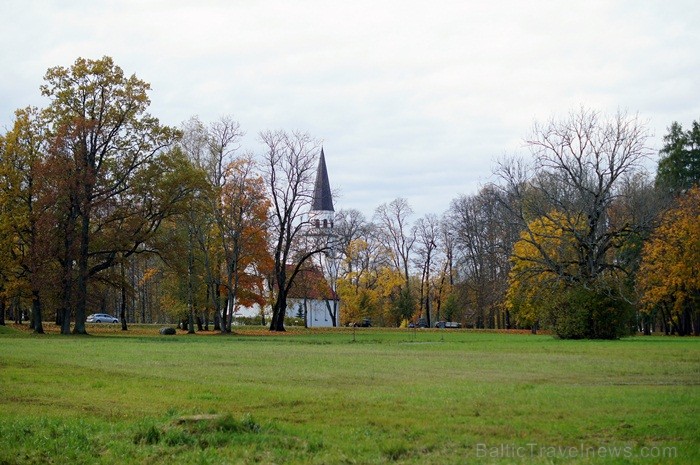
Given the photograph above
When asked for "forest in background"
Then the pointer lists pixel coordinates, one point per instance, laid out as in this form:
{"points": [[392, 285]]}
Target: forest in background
{"points": [[104, 209]]}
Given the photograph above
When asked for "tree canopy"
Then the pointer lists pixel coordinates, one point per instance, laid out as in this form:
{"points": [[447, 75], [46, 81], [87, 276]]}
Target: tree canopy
{"points": [[679, 165], [669, 276]]}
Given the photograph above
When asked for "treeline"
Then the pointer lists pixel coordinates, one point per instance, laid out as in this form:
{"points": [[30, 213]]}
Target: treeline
{"points": [[104, 209], [576, 237]]}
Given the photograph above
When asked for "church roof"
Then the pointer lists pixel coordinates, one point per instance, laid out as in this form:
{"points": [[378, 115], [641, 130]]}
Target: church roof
{"points": [[309, 283], [323, 199]]}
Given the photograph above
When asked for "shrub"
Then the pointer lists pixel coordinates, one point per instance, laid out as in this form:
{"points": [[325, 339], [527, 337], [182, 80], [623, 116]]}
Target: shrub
{"points": [[585, 313]]}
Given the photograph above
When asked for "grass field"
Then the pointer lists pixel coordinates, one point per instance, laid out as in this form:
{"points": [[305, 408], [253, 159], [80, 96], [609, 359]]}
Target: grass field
{"points": [[389, 396]]}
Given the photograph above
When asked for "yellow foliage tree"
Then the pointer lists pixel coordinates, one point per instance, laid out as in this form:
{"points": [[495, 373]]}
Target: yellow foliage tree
{"points": [[543, 259], [669, 276]]}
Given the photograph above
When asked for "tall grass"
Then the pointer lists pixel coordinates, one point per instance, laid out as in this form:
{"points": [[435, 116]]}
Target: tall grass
{"points": [[331, 397]]}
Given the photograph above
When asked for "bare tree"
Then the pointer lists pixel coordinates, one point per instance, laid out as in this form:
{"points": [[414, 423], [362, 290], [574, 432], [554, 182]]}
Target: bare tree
{"points": [[483, 240], [579, 172], [289, 169], [446, 247], [426, 231], [395, 233], [570, 203]]}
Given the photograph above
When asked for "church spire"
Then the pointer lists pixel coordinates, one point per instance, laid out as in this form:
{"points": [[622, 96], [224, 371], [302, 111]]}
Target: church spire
{"points": [[323, 199]]}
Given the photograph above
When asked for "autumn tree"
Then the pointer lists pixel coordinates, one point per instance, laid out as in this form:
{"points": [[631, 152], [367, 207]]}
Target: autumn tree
{"points": [[545, 252], [579, 165], [5, 235], [98, 123], [360, 262], [669, 277], [25, 221], [243, 232]]}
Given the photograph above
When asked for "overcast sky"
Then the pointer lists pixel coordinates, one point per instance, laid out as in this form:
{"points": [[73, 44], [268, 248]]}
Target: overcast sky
{"points": [[412, 99]]}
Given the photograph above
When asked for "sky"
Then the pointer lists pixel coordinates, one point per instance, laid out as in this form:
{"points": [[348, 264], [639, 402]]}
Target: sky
{"points": [[412, 99]]}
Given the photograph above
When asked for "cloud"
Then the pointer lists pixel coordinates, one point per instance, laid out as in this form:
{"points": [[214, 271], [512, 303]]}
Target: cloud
{"points": [[412, 99]]}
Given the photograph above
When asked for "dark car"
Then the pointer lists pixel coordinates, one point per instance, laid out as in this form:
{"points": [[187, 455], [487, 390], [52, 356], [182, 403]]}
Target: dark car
{"points": [[448, 324]]}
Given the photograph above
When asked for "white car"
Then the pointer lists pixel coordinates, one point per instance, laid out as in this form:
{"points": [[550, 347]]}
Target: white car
{"points": [[101, 318]]}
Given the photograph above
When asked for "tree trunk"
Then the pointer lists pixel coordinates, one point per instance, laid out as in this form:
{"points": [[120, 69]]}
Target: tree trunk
{"points": [[278, 312], [280, 308], [65, 298], [217, 321], [36, 313], [81, 288], [190, 323], [2, 311], [231, 301], [333, 312], [122, 305], [190, 286]]}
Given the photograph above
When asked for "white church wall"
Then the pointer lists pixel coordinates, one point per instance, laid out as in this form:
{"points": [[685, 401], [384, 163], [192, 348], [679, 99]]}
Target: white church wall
{"points": [[317, 312]]}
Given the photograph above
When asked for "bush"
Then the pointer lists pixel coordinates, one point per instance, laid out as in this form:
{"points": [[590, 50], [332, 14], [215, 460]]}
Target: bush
{"points": [[584, 313]]}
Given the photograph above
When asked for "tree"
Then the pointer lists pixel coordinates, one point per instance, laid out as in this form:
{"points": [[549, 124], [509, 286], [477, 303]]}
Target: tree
{"points": [[243, 233], [99, 125], [669, 276], [544, 253], [426, 232], [289, 171], [679, 166], [210, 148], [397, 239], [483, 233], [24, 206], [446, 302], [395, 234], [575, 182]]}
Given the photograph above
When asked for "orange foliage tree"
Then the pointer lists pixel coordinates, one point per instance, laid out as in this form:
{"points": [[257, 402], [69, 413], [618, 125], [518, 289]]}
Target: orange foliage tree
{"points": [[242, 226], [669, 276]]}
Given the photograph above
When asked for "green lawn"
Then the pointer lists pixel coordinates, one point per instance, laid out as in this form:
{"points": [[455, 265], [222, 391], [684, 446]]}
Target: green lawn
{"points": [[400, 396]]}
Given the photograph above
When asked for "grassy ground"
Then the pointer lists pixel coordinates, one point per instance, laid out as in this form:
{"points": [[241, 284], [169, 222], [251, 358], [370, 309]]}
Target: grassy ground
{"points": [[400, 396]]}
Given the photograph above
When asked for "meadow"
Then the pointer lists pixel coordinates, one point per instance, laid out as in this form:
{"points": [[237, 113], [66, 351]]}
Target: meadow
{"points": [[348, 397]]}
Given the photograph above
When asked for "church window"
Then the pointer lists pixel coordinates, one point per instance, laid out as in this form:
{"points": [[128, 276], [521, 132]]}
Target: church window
{"points": [[325, 223]]}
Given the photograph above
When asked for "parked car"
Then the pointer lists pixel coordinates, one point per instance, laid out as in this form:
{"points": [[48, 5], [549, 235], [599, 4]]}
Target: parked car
{"points": [[366, 323], [101, 318], [448, 324]]}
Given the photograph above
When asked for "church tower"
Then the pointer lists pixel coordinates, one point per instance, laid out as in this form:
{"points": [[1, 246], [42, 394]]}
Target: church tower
{"points": [[321, 231], [322, 212]]}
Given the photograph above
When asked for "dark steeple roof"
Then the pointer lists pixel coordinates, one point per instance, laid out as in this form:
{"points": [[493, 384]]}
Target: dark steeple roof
{"points": [[323, 200]]}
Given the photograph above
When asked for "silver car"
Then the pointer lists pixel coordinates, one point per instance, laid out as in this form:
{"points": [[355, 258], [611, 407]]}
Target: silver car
{"points": [[101, 318]]}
